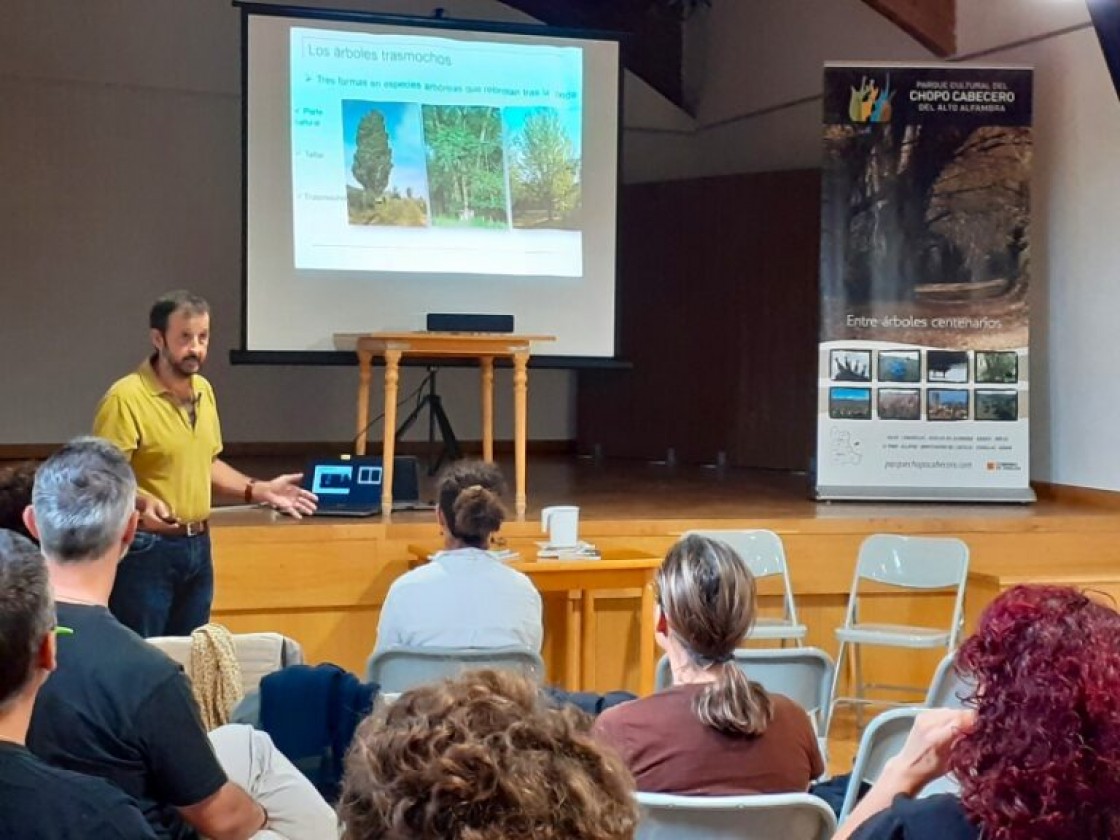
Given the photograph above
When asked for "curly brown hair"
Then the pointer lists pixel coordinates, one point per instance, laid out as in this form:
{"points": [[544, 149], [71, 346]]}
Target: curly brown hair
{"points": [[483, 757]]}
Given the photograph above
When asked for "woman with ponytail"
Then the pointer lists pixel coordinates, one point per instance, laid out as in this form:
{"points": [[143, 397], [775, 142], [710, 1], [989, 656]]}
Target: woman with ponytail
{"points": [[464, 597], [714, 732]]}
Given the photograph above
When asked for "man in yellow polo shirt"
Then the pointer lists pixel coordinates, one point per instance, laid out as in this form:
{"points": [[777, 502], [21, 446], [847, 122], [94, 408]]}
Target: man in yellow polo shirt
{"points": [[163, 417]]}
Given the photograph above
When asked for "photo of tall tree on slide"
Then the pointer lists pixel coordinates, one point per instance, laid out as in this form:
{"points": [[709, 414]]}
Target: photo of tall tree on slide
{"points": [[466, 168], [925, 221], [386, 181], [544, 167]]}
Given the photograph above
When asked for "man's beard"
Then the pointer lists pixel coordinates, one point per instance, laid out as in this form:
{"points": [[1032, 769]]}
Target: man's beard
{"points": [[179, 368]]}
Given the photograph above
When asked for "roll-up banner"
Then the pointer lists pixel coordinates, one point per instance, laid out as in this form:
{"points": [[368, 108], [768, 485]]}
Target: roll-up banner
{"points": [[923, 383]]}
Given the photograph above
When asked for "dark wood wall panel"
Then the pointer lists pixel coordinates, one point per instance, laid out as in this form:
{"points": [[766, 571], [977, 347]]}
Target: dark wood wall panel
{"points": [[718, 314]]}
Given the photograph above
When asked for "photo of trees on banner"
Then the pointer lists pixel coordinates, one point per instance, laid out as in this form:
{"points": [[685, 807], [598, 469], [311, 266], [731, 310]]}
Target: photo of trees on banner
{"points": [[925, 272]]}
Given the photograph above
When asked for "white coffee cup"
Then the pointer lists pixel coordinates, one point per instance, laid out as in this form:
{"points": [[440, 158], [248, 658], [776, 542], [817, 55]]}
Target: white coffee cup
{"points": [[562, 524]]}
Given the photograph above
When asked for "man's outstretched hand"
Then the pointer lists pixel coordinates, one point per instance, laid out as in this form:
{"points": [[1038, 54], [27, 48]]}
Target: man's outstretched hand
{"points": [[284, 494]]}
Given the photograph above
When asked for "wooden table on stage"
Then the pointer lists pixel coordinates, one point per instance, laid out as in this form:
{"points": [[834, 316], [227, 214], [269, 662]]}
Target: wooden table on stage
{"points": [[1097, 576], [619, 568], [482, 346]]}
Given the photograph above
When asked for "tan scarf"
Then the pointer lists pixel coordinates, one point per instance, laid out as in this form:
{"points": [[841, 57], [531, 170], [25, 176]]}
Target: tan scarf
{"points": [[215, 674]]}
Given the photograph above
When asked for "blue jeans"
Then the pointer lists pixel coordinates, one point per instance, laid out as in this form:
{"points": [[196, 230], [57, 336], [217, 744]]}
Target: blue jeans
{"points": [[164, 585]]}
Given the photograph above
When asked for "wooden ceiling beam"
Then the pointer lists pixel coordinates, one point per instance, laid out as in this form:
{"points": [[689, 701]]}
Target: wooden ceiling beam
{"points": [[932, 23], [653, 43]]}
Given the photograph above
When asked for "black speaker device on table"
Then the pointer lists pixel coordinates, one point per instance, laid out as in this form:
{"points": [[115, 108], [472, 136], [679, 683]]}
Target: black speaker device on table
{"points": [[469, 322]]}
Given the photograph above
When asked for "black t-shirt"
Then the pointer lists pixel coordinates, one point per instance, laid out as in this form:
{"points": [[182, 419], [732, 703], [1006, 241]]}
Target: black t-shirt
{"points": [[40, 802], [118, 708], [934, 818]]}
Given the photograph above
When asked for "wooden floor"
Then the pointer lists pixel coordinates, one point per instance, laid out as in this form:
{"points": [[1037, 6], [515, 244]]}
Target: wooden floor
{"points": [[620, 489]]}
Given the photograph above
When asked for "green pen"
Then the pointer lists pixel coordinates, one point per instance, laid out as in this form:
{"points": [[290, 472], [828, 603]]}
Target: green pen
{"points": [[59, 630]]}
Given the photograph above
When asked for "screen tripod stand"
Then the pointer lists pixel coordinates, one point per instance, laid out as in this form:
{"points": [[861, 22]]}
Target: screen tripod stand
{"points": [[436, 416]]}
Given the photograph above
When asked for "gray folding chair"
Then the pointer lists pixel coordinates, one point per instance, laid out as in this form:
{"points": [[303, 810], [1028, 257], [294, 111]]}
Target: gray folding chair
{"points": [[948, 689], [783, 816], [766, 557], [401, 668], [903, 563], [882, 740], [804, 675], [943, 784], [258, 654]]}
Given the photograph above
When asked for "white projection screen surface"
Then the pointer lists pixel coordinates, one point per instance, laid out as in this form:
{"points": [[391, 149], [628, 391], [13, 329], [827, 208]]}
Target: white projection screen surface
{"points": [[395, 169]]}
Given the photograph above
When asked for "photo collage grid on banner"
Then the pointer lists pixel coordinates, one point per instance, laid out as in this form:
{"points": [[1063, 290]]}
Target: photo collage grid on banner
{"points": [[925, 268]]}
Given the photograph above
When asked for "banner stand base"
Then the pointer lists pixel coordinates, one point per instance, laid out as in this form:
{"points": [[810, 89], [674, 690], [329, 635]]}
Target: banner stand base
{"points": [[1009, 495]]}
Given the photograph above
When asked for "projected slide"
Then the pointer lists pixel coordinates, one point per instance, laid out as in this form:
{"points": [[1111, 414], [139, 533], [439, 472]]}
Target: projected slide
{"points": [[425, 154]]}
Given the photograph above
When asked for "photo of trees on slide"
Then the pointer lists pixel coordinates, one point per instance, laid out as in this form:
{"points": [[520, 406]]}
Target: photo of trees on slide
{"points": [[387, 183], [466, 168], [544, 167], [417, 165]]}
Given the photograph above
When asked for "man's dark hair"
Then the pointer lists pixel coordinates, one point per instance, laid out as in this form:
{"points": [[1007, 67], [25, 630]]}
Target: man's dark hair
{"points": [[26, 612], [172, 302], [16, 481]]}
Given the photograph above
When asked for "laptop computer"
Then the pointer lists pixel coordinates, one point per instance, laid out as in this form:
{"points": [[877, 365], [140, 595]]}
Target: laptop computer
{"points": [[352, 486], [345, 486]]}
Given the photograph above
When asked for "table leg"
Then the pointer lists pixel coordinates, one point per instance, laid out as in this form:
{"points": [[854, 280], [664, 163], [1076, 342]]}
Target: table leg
{"points": [[392, 380], [588, 641], [572, 628], [520, 408], [487, 364], [646, 642], [362, 430]]}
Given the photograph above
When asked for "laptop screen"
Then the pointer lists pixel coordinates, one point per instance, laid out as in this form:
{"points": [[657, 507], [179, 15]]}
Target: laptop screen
{"points": [[353, 483]]}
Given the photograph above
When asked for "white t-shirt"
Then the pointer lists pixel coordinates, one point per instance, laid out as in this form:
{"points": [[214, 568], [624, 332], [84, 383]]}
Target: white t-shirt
{"points": [[461, 598]]}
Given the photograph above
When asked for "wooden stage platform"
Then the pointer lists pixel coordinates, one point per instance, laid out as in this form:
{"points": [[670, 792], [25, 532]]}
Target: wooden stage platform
{"points": [[322, 581]]}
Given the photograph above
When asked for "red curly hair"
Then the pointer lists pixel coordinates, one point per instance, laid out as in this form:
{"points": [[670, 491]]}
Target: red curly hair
{"points": [[1043, 759]]}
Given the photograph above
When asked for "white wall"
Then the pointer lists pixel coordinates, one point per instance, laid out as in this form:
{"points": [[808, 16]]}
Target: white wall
{"points": [[759, 67], [1076, 259], [759, 108], [120, 164], [984, 24], [119, 157]]}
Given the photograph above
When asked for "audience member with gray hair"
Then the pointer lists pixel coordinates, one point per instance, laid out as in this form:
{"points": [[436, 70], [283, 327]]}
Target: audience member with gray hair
{"points": [[118, 707], [83, 500], [40, 801]]}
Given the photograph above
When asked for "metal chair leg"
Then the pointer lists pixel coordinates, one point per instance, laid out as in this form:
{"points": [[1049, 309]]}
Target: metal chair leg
{"points": [[859, 689], [830, 710]]}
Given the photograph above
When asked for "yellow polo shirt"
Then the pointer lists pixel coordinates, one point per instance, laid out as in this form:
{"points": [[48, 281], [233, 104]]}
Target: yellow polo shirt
{"points": [[171, 459]]}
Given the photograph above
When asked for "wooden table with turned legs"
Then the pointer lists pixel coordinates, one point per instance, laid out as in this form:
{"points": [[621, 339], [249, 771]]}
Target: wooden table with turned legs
{"points": [[394, 346]]}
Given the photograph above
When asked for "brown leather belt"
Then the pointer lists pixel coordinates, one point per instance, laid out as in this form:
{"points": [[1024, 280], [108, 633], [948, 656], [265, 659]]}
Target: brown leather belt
{"points": [[180, 529]]}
